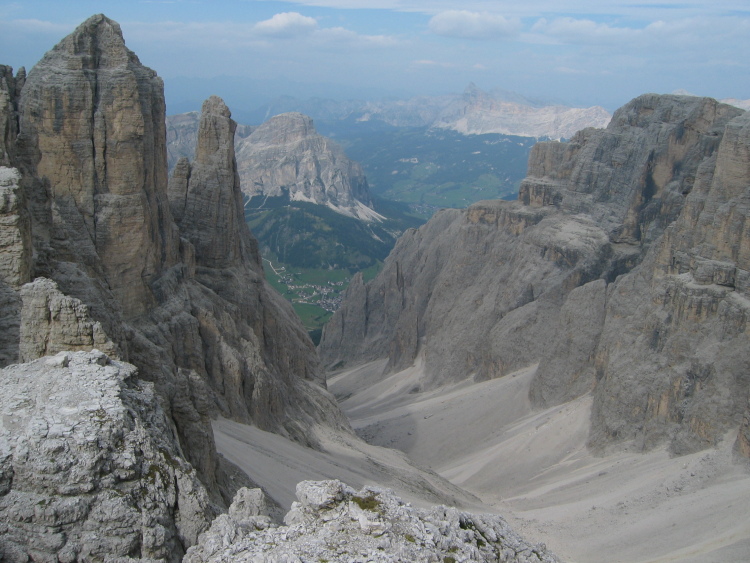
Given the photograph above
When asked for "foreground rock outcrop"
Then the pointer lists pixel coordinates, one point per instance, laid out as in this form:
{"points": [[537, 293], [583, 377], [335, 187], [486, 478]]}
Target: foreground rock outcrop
{"points": [[90, 466], [97, 252], [333, 522], [620, 270]]}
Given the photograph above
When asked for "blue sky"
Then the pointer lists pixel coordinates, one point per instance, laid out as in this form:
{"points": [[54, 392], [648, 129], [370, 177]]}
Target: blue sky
{"points": [[582, 52]]}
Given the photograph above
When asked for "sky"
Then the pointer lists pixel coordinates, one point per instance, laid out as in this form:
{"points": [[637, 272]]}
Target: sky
{"points": [[579, 52]]}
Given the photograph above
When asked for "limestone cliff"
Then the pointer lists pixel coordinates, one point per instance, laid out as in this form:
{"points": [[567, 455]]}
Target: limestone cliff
{"points": [[658, 195], [285, 156], [674, 355], [86, 215]]}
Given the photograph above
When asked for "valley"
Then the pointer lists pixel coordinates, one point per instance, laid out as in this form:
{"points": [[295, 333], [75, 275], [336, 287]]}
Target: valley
{"points": [[572, 365], [314, 293], [311, 252], [431, 169], [533, 466]]}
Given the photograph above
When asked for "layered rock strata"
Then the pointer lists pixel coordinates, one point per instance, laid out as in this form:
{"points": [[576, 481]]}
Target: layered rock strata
{"points": [[286, 157], [333, 522], [86, 216], [619, 270]]}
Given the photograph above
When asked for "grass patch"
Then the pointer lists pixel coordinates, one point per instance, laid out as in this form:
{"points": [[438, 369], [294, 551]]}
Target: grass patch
{"points": [[312, 316], [370, 502]]}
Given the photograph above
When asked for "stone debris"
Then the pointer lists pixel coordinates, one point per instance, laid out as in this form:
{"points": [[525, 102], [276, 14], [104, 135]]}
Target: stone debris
{"points": [[333, 522]]}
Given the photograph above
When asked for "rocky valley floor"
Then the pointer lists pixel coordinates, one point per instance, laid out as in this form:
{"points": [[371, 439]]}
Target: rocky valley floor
{"points": [[530, 466], [533, 467]]}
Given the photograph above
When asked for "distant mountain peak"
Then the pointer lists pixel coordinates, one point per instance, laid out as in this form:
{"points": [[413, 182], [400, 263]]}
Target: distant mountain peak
{"points": [[285, 156], [473, 112]]}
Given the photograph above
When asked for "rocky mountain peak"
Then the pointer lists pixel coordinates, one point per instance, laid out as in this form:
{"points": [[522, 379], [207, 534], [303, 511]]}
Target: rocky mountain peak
{"points": [[92, 129], [285, 128], [215, 105], [96, 43], [205, 196], [286, 157]]}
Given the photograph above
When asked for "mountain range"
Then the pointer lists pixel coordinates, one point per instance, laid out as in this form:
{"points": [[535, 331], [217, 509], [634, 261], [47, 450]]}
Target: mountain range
{"points": [[472, 112], [134, 311], [577, 358]]}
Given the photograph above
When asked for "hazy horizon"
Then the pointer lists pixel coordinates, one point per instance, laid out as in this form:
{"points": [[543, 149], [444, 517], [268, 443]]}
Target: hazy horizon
{"points": [[251, 51]]}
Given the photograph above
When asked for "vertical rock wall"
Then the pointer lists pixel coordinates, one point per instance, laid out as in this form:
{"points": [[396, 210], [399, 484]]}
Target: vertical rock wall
{"points": [[621, 269], [674, 357], [92, 126]]}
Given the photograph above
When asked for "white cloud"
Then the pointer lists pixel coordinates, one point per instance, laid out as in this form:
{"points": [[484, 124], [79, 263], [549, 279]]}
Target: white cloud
{"points": [[693, 34], [339, 35], [290, 28], [427, 62], [638, 9], [570, 30], [286, 24], [38, 26], [473, 25]]}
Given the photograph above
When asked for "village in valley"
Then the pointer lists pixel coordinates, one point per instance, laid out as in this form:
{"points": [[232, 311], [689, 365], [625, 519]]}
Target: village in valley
{"points": [[300, 289]]}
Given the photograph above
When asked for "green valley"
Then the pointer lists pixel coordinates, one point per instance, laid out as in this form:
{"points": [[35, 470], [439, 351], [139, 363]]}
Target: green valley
{"points": [[311, 252], [429, 169]]}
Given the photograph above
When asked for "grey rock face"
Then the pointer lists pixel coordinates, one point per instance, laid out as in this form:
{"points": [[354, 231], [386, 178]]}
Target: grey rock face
{"points": [[10, 86], [92, 126], [210, 212], [182, 136], [52, 322], [15, 259], [333, 522], [674, 353], [661, 193], [90, 468], [15, 230], [286, 156]]}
